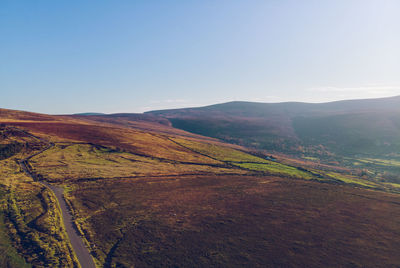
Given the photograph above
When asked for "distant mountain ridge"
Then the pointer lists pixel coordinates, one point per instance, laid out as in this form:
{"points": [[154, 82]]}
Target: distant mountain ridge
{"points": [[367, 126], [259, 108], [89, 113]]}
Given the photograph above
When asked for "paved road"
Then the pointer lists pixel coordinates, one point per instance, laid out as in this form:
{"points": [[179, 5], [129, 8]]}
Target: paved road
{"points": [[81, 252]]}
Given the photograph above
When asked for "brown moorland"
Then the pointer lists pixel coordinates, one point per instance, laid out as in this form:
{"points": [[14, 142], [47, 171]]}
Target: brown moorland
{"points": [[236, 221], [156, 197]]}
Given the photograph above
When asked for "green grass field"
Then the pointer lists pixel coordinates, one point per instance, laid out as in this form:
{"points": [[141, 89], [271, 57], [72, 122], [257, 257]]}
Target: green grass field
{"points": [[352, 180], [274, 168]]}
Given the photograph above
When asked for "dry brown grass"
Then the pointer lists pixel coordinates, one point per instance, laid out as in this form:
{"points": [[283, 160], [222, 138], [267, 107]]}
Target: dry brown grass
{"points": [[84, 162], [236, 221], [168, 218]]}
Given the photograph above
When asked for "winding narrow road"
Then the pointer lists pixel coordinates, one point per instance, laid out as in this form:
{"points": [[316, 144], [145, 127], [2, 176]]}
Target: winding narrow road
{"points": [[82, 253]]}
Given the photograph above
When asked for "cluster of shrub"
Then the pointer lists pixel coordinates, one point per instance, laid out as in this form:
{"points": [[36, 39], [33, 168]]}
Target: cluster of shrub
{"points": [[8, 150]]}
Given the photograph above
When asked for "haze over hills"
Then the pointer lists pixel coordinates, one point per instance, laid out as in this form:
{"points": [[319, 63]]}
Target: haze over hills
{"points": [[361, 134], [353, 127]]}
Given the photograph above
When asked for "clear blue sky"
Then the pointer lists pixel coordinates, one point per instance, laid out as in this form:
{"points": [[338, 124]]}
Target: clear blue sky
{"points": [[132, 56]]}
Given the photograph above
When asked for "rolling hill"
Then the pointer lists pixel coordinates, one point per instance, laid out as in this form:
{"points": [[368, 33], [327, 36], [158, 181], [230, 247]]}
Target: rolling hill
{"points": [[362, 134], [145, 194], [356, 127]]}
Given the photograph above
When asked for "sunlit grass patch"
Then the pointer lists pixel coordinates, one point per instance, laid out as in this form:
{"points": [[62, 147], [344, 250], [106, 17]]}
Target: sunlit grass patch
{"points": [[277, 169], [351, 179], [396, 185], [311, 158], [382, 162]]}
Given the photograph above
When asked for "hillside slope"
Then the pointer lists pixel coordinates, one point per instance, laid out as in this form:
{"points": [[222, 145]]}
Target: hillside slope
{"points": [[356, 127], [145, 194]]}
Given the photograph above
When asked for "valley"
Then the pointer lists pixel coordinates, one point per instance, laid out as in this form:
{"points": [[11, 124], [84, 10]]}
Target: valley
{"points": [[199, 134], [142, 193], [347, 134]]}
